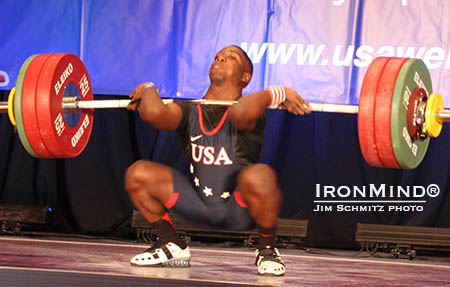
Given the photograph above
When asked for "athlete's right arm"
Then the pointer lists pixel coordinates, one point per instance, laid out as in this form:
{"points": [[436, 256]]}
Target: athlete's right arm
{"points": [[152, 110]]}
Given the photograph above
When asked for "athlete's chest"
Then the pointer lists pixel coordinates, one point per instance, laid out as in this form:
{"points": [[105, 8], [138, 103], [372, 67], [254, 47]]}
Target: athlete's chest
{"points": [[212, 145]]}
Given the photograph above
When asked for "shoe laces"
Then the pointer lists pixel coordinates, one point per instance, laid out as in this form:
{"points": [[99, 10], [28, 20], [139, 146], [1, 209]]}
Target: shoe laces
{"points": [[156, 245], [268, 254]]}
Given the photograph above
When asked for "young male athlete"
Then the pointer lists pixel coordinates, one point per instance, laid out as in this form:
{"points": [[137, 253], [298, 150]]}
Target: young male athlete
{"points": [[226, 187]]}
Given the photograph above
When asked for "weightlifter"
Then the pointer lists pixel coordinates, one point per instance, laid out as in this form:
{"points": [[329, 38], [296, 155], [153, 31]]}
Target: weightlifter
{"points": [[226, 187]]}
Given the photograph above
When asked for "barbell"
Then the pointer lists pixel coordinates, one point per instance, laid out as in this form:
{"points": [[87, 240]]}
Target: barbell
{"points": [[52, 106]]}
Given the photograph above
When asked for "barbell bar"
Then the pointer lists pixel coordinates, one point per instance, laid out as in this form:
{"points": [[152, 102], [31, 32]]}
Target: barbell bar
{"points": [[443, 115], [73, 104], [397, 112]]}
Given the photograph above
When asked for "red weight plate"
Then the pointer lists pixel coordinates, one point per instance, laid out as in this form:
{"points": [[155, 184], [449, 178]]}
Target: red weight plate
{"points": [[366, 125], [60, 138], [29, 116], [383, 106]]}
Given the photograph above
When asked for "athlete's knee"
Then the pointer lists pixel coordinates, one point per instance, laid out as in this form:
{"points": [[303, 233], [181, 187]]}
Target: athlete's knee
{"points": [[259, 178], [137, 173]]}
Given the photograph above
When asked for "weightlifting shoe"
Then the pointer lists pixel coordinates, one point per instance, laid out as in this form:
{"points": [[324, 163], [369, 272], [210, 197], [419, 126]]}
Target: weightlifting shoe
{"points": [[269, 262], [163, 254]]}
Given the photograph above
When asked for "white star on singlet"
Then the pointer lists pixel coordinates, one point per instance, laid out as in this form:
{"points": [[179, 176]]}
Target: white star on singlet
{"points": [[196, 181], [225, 195], [191, 168], [207, 191]]}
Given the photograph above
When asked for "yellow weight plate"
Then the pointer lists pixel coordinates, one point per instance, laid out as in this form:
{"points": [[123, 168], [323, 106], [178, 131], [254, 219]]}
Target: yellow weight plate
{"points": [[12, 119], [433, 124]]}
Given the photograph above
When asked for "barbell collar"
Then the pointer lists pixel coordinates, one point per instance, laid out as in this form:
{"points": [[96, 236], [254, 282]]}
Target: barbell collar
{"points": [[444, 115], [3, 107]]}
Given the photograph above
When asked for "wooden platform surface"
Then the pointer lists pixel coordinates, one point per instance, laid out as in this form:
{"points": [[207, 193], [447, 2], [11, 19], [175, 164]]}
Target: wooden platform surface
{"points": [[90, 262]]}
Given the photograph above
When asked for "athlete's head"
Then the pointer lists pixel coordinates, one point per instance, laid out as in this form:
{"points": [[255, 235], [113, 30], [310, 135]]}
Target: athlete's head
{"points": [[231, 64]]}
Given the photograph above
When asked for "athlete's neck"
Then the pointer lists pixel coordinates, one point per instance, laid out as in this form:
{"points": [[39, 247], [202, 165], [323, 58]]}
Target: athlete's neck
{"points": [[223, 92]]}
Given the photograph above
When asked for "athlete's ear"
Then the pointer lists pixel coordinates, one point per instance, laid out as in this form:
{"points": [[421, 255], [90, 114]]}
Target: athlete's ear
{"points": [[245, 79]]}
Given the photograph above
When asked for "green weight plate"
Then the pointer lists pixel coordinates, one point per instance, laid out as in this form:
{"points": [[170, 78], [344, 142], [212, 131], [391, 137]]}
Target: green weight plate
{"points": [[18, 107], [408, 151]]}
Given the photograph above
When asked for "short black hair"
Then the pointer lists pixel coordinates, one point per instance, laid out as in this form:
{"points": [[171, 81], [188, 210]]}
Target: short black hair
{"points": [[247, 58]]}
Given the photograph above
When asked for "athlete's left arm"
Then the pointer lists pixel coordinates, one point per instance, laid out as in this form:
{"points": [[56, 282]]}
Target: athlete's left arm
{"points": [[245, 114]]}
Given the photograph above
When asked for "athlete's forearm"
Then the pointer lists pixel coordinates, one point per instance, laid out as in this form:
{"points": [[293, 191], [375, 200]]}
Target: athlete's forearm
{"points": [[162, 116], [245, 114]]}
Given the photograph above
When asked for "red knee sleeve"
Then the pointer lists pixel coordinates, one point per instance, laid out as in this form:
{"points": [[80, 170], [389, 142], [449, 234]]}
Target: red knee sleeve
{"points": [[238, 198]]}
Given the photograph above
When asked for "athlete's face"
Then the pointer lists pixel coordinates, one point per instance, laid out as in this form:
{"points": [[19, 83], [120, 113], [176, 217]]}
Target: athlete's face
{"points": [[229, 65]]}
